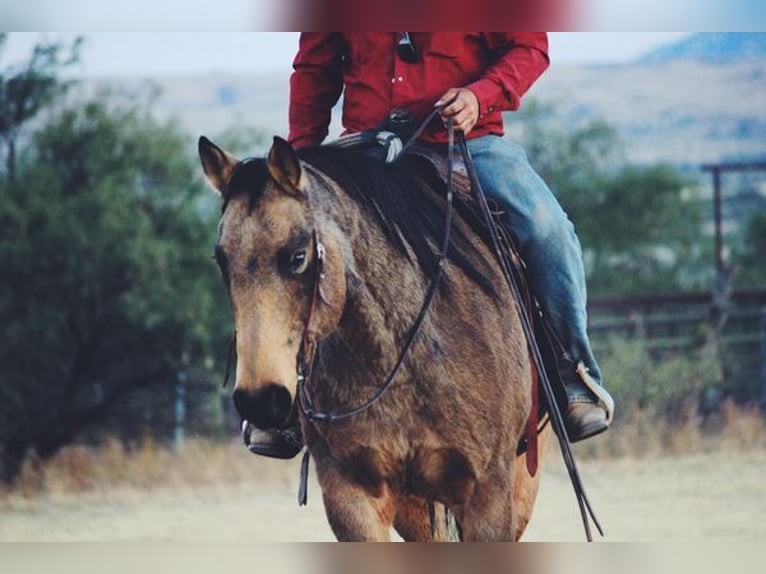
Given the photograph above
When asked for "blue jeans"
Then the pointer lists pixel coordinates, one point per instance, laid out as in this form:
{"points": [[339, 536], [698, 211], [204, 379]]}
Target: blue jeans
{"points": [[547, 242]]}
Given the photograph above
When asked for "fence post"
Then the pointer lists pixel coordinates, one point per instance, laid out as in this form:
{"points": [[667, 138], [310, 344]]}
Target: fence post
{"points": [[763, 357], [180, 412], [636, 327]]}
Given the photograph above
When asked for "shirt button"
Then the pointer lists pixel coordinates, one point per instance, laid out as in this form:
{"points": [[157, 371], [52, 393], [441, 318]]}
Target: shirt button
{"points": [[400, 79], [393, 80]]}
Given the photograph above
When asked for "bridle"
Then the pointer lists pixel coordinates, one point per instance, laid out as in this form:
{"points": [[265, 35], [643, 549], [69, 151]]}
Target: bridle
{"points": [[307, 348]]}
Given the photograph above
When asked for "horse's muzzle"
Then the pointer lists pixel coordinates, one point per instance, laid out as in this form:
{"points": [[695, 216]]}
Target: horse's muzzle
{"points": [[269, 407]]}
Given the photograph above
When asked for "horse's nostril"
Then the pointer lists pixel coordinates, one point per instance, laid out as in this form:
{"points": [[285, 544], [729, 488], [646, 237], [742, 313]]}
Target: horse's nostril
{"points": [[243, 402], [266, 408]]}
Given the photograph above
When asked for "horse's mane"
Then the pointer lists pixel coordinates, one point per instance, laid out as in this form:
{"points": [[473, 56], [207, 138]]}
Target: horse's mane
{"points": [[393, 195]]}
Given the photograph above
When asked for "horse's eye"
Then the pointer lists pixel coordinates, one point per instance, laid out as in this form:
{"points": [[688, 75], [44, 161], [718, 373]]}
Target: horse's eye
{"points": [[299, 261]]}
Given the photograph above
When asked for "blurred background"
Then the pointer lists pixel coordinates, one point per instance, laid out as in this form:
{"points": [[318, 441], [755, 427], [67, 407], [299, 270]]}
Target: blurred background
{"points": [[114, 324]]}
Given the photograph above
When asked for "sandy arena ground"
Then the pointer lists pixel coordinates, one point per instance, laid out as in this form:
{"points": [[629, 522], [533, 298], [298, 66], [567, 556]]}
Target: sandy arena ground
{"points": [[689, 498]]}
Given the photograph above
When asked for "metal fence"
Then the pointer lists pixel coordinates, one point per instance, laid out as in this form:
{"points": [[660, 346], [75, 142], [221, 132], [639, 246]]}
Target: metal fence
{"points": [[686, 322]]}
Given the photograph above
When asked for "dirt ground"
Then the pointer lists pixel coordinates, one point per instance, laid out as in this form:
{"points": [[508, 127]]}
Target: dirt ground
{"points": [[691, 498]]}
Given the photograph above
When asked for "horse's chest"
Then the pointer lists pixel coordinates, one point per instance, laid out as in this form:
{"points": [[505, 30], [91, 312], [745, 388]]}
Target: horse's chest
{"points": [[442, 474]]}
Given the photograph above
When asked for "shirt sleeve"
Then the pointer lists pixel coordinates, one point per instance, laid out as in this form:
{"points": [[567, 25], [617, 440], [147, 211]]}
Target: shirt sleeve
{"points": [[315, 86], [519, 59]]}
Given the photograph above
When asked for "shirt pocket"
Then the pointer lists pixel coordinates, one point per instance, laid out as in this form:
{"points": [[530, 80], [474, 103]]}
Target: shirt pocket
{"points": [[447, 45], [367, 47]]}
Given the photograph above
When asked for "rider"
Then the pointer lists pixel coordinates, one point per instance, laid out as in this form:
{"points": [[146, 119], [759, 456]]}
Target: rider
{"points": [[486, 73]]}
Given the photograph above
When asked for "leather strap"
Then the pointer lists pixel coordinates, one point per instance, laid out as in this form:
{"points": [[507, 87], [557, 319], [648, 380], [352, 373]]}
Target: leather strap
{"points": [[303, 486], [532, 453]]}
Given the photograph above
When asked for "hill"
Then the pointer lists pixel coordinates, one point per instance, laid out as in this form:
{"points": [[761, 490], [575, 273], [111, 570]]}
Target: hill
{"points": [[683, 112], [711, 47], [700, 100]]}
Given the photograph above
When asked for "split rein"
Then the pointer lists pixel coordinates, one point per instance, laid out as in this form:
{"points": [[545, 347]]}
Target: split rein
{"points": [[307, 349]]}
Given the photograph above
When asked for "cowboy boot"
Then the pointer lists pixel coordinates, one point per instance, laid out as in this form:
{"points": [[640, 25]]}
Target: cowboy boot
{"points": [[274, 443], [590, 408]]}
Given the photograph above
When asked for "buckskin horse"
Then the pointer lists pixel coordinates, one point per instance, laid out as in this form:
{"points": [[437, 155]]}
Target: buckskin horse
{"points": [[333, 247]]}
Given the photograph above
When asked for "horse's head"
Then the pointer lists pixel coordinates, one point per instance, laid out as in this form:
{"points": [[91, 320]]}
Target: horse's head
{"points": [[266, 252]]}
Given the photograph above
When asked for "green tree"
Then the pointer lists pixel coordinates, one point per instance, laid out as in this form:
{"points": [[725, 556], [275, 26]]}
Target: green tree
{"points": [[750, 260], [27, 89], [639, 225], [106, 283]]}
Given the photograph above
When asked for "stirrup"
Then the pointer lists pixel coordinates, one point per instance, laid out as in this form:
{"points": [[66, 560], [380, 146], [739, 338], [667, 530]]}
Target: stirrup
{"points": [[603, 398]]}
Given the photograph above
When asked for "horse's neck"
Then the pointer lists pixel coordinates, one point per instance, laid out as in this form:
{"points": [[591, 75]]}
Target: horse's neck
{"points": [[357, 356], [384, 293], [384, 288]]}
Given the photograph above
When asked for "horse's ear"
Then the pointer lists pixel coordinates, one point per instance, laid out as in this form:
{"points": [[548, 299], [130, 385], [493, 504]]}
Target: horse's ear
{"points": [[285, 167], [217, 164]]}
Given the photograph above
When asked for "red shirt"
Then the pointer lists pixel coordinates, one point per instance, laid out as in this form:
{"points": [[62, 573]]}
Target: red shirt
{"points": [[499, 67]]}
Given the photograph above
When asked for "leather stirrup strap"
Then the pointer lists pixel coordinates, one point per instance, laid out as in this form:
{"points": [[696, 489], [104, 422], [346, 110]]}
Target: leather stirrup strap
{"points": [[532, 430]]}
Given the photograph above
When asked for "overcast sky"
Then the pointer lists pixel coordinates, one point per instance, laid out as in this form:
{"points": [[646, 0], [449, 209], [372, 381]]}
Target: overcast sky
{"points": [[152, 53], [244, 15]]}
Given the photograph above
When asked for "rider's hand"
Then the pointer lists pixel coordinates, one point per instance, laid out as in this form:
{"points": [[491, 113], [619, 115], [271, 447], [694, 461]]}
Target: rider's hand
{"points": [[464, 110]]}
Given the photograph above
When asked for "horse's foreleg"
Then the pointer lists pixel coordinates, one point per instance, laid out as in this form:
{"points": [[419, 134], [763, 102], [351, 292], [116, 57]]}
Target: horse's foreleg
{"points": [[489, 515], [413, 522], [353, 513]]}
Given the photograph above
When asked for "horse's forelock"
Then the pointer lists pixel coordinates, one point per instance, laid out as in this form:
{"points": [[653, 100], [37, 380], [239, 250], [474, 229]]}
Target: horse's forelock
{"points": [[250, 177]]}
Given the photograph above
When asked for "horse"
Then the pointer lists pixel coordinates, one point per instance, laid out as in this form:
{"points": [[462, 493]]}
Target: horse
{"points": [[448, 429]]}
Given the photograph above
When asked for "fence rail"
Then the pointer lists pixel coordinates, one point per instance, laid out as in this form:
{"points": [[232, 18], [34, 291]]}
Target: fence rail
{"points": [[677, 311], [683, 322]]}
